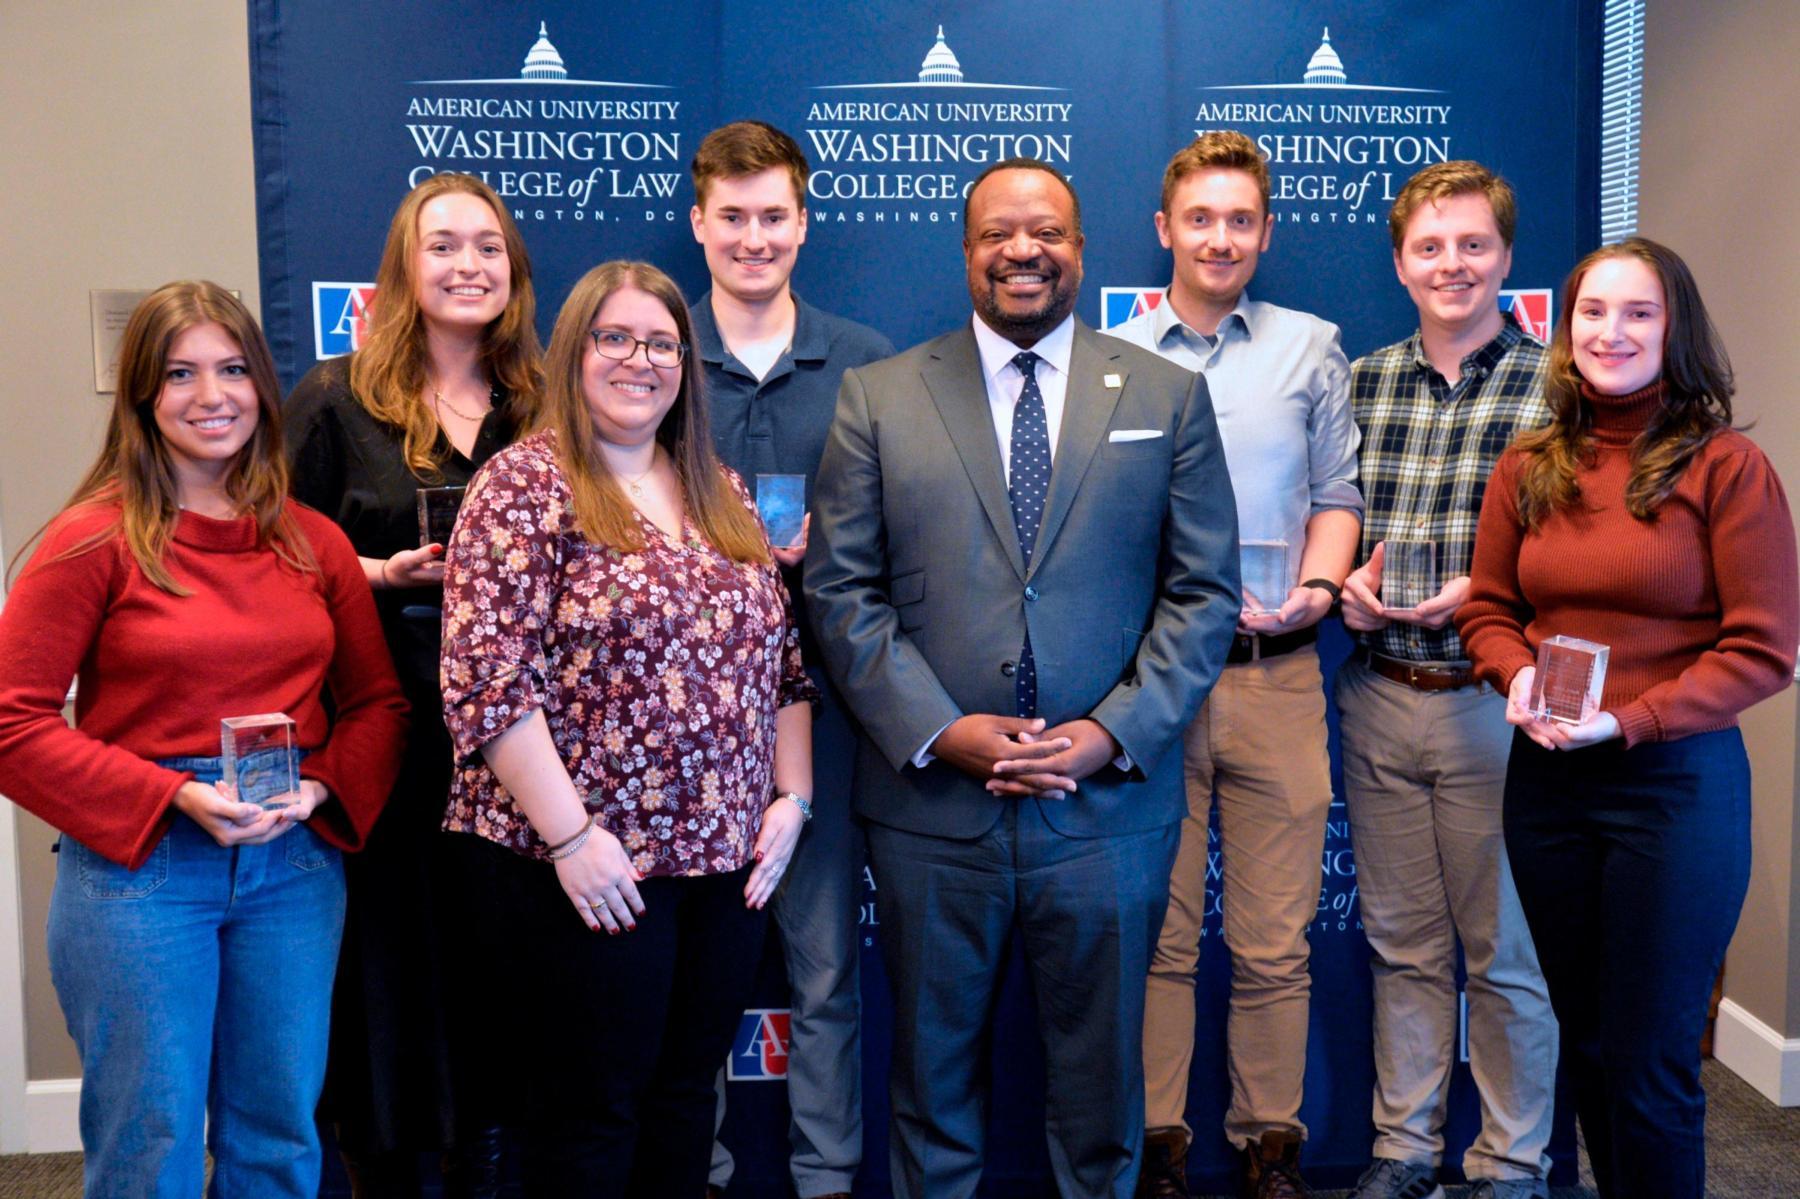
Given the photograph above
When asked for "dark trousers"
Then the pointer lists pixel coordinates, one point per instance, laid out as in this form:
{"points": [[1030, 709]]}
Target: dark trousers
{"points": [[1088, 911], [618, 1036], [1632, 865]]}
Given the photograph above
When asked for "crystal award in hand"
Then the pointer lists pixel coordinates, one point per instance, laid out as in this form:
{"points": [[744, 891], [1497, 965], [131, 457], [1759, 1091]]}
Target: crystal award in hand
{"points": [[1408, 576], [260, 758], [437, 513], [1570, 674], [781, 502], [1264, 567]]}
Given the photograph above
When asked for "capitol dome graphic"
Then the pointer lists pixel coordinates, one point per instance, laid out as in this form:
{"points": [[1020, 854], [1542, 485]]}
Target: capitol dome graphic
{"points": [[543, 61], [940, 65], [1325, 66]]}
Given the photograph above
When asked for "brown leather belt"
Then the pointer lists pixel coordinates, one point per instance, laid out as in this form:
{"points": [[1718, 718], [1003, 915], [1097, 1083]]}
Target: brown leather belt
{"points": [[1420, 676], [1253, 647]]}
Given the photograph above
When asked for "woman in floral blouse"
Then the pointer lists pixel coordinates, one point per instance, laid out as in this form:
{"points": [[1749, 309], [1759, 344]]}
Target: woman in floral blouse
{"points": [[622, 680]]}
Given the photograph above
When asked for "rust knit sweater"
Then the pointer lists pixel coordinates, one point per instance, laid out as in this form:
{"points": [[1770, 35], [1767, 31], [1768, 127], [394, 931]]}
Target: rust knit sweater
{"points": [[158, 671], [1700, 604]]}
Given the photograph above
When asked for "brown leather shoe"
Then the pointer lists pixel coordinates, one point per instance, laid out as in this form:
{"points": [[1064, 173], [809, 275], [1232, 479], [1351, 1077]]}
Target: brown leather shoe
{"points": [[1162, 1172], [1272, 1167], [713, 1192]]}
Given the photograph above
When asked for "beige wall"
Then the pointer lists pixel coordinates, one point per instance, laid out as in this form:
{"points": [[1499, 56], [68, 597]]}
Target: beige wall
{"points": [[126, 156], [1721, 184]]}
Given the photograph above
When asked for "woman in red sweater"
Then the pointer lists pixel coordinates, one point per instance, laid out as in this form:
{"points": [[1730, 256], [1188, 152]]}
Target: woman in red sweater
{"points": [[192, 935], [1639, 519]]}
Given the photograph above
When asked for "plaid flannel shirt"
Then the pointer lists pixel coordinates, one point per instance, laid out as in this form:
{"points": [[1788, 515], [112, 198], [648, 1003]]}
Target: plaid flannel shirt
{"points": [[1427, 450]]}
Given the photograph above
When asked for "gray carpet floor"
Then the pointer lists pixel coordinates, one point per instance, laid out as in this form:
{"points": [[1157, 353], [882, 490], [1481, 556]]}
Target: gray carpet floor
{"points": [[1752, 1148]]}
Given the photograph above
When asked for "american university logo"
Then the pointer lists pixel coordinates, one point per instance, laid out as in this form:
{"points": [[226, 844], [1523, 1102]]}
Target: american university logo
{"points": [[1338, 150], [340, 317], [555, 147], [903, 151], [1121, 304], [759, 1052], [1531, 309]]}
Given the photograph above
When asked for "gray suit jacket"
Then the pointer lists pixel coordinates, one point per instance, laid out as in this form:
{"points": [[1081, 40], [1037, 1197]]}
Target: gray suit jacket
{"points": [[921, 598]]}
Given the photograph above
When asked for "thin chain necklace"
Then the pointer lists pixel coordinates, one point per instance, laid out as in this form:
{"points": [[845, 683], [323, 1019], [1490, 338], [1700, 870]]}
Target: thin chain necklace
{"points": [[635, 485], [437, 398]]}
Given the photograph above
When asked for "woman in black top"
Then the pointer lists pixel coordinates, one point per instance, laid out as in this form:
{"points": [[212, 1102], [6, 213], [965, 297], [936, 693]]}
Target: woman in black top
{"points": [[448, 373]]}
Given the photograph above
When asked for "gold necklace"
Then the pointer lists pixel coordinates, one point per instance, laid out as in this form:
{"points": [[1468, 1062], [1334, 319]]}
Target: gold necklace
{"points": [[634, 485], [437, 398]]}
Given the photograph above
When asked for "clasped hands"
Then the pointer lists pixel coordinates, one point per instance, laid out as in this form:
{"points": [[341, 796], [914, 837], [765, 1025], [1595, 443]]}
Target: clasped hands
{"points": [[1019, 757]]}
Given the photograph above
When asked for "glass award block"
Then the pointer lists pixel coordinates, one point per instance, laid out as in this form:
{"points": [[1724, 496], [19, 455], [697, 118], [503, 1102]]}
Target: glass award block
{"points": [[1408, 575], [1264, 567], [437, 513], [781, 502], [1570, 674], [260, 759]]}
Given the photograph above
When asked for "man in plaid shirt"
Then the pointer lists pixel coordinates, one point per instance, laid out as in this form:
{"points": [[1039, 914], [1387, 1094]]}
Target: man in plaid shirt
{"points": [[1424, 745]]}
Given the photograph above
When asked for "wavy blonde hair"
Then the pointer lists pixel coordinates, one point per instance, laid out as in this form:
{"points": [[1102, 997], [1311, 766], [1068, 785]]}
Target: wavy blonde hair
{"points": [[387, 374], [134, 469], [602, 512]]}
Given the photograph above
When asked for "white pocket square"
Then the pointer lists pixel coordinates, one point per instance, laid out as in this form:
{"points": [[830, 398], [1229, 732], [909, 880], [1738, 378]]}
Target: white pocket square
{"points": [[1133, 434]]}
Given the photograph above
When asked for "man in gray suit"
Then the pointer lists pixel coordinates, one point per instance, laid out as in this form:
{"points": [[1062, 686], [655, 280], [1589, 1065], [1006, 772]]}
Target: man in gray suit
{"points": [[1023, 573]]}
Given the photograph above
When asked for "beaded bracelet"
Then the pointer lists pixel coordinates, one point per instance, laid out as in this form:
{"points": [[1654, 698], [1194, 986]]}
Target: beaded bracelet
{"points": [[567, 848]]}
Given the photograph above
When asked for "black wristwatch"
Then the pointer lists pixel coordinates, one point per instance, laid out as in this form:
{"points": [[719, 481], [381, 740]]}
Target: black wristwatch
{"points": [[1327, 586]]}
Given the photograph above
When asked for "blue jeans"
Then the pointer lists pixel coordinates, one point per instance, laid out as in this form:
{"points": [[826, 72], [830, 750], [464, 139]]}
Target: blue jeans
{"points": [[1632, 865], [198, 987]]}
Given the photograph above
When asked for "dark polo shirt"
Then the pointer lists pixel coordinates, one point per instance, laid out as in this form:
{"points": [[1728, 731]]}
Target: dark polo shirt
{"points": [[777, 425]]}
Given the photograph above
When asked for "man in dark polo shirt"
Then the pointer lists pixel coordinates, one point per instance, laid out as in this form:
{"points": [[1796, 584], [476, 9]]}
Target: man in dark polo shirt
{"points": [[773, 364]]}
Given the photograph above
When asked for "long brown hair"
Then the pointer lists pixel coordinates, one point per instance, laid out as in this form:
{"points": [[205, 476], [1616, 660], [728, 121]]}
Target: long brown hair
{"points": [[134, 470], [387, 374], [1697, 378], [602, 512]]}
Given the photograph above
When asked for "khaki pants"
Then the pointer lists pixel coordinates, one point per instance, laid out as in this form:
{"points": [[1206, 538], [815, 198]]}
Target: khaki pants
{"points": [[1259, 744], [1424, 775]]}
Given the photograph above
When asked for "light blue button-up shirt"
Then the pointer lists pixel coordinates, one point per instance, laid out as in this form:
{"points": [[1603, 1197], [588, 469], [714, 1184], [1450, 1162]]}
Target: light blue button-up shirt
{"points": [[1280, 390]]}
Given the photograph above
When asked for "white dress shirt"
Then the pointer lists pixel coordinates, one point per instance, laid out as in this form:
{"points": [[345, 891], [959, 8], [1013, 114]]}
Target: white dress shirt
{"points": [[1004, 381]]}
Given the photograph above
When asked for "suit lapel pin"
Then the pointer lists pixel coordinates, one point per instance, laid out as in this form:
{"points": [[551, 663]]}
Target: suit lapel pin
{"points": [[1115, 381]]}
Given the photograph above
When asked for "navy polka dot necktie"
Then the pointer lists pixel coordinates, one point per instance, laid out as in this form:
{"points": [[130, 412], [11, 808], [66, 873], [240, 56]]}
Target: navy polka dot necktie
{"points": [[1028, 482]]}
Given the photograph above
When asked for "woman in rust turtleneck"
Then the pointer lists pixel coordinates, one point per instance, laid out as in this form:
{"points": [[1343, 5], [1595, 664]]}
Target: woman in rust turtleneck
{"points": [[1641, 520]]}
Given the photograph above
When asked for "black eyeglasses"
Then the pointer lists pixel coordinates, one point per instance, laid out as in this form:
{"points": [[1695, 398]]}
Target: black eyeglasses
{"points": [[659, 351]]}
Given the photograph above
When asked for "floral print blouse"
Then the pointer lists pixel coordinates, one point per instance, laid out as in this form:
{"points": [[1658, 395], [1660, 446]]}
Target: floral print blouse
{"points": [[659, 671]]}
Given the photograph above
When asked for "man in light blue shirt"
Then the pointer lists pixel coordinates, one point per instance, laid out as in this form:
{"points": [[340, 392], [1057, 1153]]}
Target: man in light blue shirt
{"points": [[1279, 383]]}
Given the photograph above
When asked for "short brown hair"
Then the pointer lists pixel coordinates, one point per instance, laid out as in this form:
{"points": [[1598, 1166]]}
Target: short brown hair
{"points": [[1444, 180], [747, 148], [1217, 150]]}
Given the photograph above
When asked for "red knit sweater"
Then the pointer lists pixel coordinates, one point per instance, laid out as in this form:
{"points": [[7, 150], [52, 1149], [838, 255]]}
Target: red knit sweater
{"points": [[1700, 604], [158, 671]]}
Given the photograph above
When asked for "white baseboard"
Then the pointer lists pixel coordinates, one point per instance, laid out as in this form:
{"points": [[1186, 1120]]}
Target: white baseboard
{"points": [[53, 1116], [1758, 1054]]}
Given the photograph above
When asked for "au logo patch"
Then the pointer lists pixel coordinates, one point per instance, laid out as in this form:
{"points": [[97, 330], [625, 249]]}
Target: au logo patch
{"points": [[1120, 304], [340, 317], [759, 1052]]}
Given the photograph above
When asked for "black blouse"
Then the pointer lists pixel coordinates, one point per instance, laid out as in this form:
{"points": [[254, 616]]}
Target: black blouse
{"points": [[351, 467]]}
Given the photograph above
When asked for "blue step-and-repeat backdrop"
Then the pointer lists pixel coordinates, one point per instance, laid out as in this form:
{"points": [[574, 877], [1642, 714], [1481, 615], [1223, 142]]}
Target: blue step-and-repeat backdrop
{"points": [[583, 116]]}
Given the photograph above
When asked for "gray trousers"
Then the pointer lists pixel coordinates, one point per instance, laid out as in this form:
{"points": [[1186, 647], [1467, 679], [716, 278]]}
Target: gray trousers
{"points": [[816, 910], [1086, 911], [1424, 774]]}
